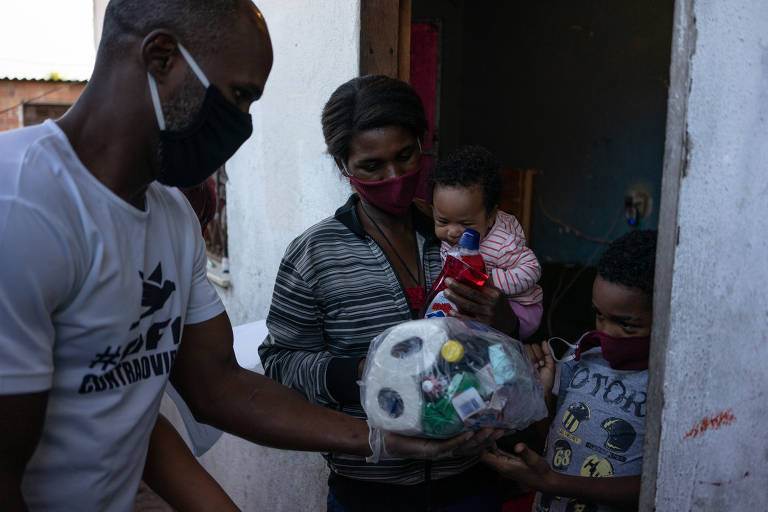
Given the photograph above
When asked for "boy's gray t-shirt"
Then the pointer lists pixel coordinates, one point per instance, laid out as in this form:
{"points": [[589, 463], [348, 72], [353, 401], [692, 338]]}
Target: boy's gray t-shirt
{"points": [[598, 428]]}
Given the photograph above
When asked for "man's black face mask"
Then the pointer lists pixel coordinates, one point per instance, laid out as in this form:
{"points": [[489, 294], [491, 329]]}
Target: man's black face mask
{"points": [[190, 155]]}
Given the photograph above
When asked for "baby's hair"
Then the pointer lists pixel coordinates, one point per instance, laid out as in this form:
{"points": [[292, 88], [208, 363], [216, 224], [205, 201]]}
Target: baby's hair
{"points": [[630, 261], [467, 166]]}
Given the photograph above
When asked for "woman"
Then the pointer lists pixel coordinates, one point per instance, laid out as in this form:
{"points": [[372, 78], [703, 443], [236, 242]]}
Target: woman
{"points": [[348, 278]]}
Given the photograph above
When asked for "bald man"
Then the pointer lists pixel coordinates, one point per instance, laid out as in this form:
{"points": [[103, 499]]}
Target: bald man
{"points": [[103, 288]]}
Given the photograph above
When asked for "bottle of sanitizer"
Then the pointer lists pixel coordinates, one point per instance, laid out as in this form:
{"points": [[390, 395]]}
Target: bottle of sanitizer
{"points": [[464, 264]]}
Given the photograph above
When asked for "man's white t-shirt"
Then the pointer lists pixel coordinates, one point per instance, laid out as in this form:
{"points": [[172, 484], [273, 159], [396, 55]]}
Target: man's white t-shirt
{"points": [[94, 294]]}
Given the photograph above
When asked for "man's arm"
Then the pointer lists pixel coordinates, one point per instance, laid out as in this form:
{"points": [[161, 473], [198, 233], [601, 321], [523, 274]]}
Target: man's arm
{"points": [[529, 468], [175, 474], [38, 272], [254, 407], [21, 423]]}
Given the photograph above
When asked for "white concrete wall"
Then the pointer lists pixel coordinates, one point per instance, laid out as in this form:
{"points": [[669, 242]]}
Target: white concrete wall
{"points": [[718, 344], [99, 6], [281, 180]]}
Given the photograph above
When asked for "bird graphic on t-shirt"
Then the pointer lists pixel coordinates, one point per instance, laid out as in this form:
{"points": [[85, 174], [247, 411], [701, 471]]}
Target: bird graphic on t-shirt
{"points": [[154, 292]]}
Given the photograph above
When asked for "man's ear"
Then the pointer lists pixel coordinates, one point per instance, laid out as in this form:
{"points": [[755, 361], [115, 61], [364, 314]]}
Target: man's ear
{"points": [[160, 54]]}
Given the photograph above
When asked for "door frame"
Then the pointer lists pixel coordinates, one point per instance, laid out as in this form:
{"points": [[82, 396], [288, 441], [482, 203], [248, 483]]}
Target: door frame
{"points": [[676, 161], [385, 38]]}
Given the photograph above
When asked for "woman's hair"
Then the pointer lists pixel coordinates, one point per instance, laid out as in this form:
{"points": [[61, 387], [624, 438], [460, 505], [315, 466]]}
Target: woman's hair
{"points": [[630, 261], [467, 166], [367, 102]]}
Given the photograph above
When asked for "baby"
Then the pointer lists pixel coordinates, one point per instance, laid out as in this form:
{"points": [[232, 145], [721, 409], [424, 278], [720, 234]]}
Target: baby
{"points": [[465, 195]]}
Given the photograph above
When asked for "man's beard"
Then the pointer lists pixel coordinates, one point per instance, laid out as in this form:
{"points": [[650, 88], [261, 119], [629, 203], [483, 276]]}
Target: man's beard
{"points": [[180, 110]]}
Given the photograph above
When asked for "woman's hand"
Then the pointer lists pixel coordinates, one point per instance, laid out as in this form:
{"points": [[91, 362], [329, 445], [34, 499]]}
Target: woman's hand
{"points": [[486, 305], [524, 466]]}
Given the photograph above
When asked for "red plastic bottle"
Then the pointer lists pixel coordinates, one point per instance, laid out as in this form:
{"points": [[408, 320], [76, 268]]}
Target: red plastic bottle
{"points": [[463, 263]]}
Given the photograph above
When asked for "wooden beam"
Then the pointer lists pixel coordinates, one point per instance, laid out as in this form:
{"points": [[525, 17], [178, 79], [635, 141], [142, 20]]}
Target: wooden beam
{"points": [[379, 30], [385, 38], [404, 42]]}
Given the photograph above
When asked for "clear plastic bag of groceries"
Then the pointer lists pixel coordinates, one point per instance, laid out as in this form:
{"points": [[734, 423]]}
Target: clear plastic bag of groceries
{"points": [[440, 376]]}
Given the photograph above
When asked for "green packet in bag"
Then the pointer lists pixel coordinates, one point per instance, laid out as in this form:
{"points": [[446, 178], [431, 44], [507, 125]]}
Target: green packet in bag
{"points": [[440, 418]]}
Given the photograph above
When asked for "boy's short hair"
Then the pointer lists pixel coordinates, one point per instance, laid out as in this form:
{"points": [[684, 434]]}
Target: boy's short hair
{"points": [[467, 166], [630, 260]]}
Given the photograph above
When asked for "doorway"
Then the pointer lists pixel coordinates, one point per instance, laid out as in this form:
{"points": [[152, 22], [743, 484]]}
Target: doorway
{"points": [[571, 96]]}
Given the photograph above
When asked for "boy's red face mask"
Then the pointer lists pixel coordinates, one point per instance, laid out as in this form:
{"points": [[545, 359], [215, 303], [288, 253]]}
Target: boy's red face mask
{"points": [[623, 319], [627, 353]]}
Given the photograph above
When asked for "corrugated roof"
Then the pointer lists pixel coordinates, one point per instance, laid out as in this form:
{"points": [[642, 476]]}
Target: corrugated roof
{"points": [[62, 81]]}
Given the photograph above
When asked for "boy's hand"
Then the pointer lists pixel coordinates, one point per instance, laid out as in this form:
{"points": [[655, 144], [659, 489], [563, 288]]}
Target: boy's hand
{"points": [[525, 466], [542, 359]]}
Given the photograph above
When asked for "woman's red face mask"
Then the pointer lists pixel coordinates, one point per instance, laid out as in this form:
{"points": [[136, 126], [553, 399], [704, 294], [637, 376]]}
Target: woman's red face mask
{"points": [[384, 167]]}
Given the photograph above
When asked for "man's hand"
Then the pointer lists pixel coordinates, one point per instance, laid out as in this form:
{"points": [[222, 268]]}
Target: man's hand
{"points": [[524, 466], [545, 364], [486, 305], [466, 444]]}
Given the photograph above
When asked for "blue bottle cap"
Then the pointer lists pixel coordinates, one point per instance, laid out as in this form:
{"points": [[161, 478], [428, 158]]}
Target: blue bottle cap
{"points": [[470, 239]]}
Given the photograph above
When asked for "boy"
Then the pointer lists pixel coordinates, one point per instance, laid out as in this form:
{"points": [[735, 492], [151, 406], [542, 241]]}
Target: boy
{"points": [[465, 194], [595, 443]]}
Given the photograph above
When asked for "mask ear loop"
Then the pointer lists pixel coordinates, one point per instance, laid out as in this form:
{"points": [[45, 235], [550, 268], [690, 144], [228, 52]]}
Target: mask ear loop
{"points": [[156, 101], [192, 64], [345, 171], [569, 355], [153, 85]]}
